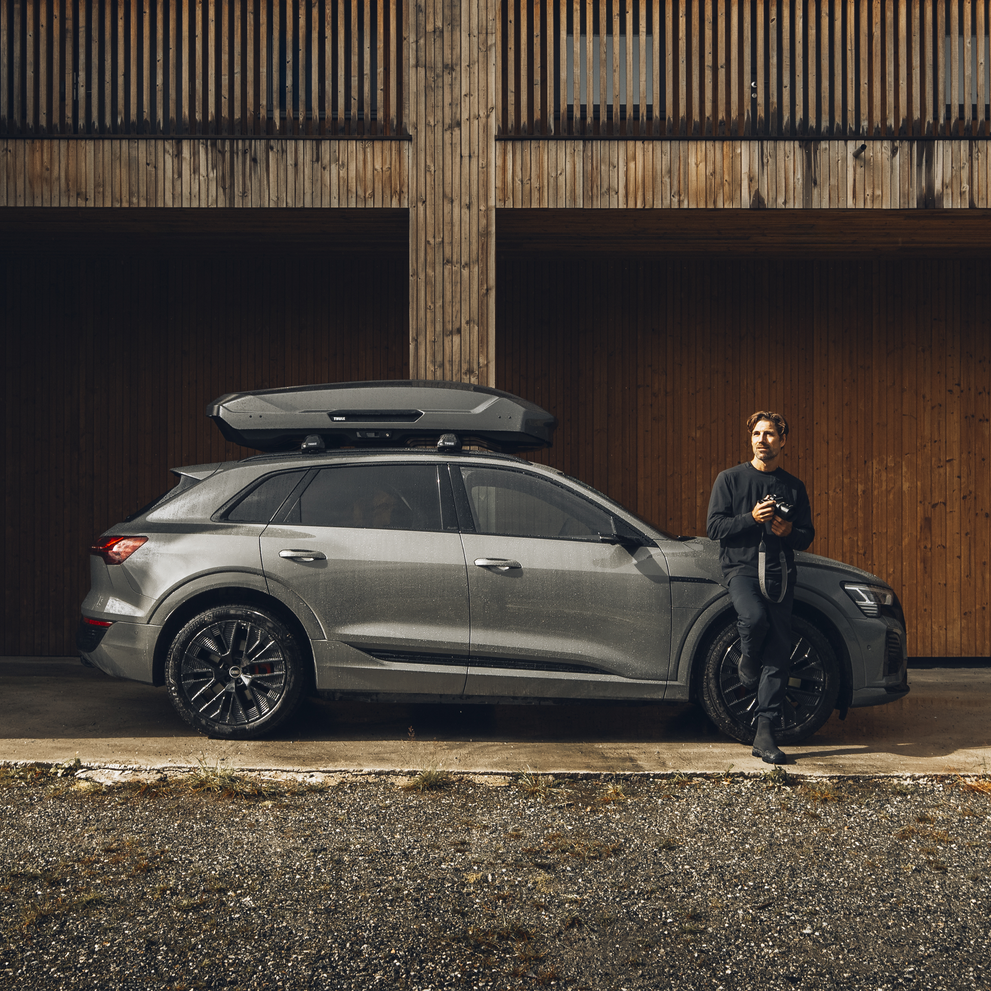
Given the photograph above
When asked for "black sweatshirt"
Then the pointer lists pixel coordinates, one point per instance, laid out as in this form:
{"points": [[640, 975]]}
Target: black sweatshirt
{"points": [[734, 494]]}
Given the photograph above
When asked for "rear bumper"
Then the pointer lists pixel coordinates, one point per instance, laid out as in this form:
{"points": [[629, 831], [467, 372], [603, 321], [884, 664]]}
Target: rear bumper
{"points": [[122, 650]]}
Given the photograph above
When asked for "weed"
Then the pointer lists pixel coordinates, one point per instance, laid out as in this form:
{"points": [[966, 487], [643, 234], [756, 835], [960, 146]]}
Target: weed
{"points": [[614, 793], [573, 846], [67, 769], [820, 791], [430, 779], [777, 777], [13, 776], [982, 785], [34, 912], [222, 781], [535, 785]]}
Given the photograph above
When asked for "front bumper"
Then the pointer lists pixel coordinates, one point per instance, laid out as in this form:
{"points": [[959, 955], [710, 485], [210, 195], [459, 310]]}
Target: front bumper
{"points": [[886, 671]]}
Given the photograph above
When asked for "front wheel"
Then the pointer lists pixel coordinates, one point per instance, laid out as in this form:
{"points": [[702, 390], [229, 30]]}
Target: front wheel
{"points": [[810, 695], [235, 672]]}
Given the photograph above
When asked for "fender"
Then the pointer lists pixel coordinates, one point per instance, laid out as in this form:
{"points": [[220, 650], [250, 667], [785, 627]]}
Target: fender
{"points": [[840, 634], [228, 581]]}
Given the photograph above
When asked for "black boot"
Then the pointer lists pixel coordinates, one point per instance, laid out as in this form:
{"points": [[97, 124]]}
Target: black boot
{"points": [[764, 746], [749, 672]]}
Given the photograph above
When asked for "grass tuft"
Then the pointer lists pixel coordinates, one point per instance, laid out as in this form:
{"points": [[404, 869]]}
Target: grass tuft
{"points": [[536, 785], [430, 779]]}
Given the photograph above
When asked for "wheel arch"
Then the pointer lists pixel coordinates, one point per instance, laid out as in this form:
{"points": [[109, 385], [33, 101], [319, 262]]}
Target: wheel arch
{"points": [[709, 625], [208, 598]]}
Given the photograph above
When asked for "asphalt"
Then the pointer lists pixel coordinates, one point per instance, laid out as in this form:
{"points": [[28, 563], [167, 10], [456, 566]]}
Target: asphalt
{"points": [[56, 710]]}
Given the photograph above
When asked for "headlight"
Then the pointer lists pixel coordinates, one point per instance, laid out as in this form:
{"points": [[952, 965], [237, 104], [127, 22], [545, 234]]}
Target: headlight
{"points": [[873, 600]]}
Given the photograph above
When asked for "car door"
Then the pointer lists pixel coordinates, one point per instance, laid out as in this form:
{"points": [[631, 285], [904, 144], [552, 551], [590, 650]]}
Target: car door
{"points": [[566, 598], [373, 549]]}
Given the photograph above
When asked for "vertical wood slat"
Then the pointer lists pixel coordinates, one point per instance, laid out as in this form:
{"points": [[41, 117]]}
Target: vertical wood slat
{"points": [[875, 474], [185, 362], [203, 52]]}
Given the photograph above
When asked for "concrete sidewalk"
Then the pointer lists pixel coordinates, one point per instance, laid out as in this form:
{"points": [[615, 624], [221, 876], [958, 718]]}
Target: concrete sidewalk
{"points": [[56, 710]]}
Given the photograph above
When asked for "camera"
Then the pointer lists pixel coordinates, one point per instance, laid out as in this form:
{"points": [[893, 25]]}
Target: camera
{"points": [[781, 508]]}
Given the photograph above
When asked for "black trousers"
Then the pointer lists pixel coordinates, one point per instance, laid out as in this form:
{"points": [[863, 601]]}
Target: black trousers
{"points": [[765, 636]]}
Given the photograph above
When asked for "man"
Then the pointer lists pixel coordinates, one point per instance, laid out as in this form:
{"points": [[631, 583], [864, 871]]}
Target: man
{"points": [[757, 538]]}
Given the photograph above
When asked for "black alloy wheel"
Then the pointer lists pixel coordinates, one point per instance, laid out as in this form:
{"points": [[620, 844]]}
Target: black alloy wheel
{"points": [[810, 696], [235, 672]]}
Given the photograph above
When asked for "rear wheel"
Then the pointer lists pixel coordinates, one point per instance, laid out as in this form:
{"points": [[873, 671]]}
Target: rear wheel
{"points": [[235, 672], [810, 696]]}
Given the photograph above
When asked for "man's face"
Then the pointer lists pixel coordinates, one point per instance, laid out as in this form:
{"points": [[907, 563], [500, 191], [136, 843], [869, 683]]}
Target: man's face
{"points": [[766, 441]]}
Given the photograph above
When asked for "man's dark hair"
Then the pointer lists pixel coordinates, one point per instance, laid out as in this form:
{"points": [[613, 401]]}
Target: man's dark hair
{"points": [[776, 418]]}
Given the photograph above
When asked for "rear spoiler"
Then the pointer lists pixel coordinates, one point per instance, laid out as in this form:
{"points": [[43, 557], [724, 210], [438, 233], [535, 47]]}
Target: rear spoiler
{"points": [[376, 414]]}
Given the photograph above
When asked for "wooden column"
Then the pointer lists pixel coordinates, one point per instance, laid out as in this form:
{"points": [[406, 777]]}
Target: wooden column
{"points": [[451, 113]]}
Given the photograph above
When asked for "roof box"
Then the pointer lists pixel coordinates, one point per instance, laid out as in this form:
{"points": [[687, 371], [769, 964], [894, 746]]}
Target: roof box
{"points": [[392, 414]]}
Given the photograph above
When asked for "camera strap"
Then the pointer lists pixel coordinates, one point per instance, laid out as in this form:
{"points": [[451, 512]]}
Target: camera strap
{"points": [[762, 573]]}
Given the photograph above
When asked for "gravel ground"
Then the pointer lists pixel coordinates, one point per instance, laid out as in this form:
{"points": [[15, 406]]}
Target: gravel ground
{"points": [[209, 880]]}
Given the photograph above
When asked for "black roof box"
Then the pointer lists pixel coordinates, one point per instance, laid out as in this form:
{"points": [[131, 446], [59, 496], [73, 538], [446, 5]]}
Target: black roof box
{"points": [[388, 414]]}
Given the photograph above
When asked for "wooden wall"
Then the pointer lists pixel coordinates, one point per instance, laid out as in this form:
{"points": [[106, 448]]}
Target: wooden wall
{"points": [[782, 174], [180, 67], [108, 365], [780, 68], [173, 173], [653, 364], [451, 85]]}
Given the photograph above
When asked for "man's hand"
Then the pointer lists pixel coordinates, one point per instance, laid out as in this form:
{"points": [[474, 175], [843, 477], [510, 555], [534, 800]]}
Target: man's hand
{"points": [[763, 511], [780, 527]]}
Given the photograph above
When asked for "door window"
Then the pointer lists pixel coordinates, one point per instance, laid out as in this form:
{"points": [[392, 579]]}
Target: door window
{"points": [[516, 503], [378, 497]]}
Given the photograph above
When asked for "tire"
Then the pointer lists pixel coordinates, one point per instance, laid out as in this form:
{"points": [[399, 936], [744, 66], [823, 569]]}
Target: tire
{"points": [[810, 696], [235, 672]]}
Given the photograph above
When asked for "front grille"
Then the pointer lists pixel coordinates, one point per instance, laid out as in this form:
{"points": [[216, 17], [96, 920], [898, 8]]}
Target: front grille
{"points": [[894, 653]]}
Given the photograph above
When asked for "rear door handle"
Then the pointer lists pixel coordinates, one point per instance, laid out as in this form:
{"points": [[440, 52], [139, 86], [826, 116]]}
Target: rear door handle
{"points": [[291, 554], [503, 564]]}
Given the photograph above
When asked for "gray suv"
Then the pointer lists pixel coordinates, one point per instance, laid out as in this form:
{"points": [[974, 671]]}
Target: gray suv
{"points": [[407, 566]]}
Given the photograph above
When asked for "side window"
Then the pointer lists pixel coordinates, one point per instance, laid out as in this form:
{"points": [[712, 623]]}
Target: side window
{"points": [[378, 497], [516, 503], [263, 501]]}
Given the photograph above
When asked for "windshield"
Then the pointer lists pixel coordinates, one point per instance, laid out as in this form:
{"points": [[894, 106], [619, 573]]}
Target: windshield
{"points": [[612, 502]]}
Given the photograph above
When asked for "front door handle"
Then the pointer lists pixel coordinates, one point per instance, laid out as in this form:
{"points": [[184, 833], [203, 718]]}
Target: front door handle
{"points": [[503, 564], [291, 554]]}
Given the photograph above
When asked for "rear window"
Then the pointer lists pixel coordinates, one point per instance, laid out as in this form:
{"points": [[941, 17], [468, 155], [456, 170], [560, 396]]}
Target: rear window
{"points": [[265, 499]]}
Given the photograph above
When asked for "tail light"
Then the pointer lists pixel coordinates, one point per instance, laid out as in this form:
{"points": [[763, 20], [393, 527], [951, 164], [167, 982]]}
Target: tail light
{"points": [[116, 550]]}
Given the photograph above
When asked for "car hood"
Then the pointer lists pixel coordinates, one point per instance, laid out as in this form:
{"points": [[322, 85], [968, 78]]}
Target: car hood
{"points": [[697, 558]]}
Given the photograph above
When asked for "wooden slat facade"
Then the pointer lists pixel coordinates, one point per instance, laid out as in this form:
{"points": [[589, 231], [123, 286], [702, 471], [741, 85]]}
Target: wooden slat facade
{"points": [[303, 140], [109, 362], [745, 68], [882, 368], [196, 67], [204, 172], [451, 85], [649, 175], [743, 175]]}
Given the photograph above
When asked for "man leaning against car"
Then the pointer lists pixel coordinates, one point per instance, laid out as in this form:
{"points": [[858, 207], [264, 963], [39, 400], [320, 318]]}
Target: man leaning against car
{"points": [[760, 514]]}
